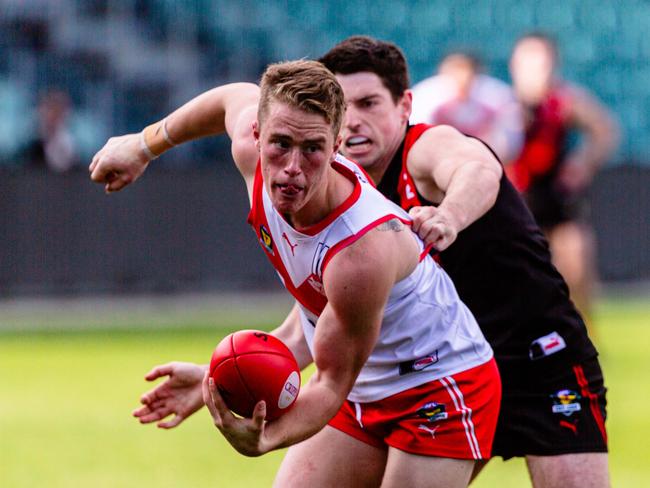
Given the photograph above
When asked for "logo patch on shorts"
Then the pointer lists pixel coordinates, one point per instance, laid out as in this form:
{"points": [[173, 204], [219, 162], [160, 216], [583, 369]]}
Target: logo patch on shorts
{"points": [[566, 402], [432, 411], [546, 345], [265, 239]]}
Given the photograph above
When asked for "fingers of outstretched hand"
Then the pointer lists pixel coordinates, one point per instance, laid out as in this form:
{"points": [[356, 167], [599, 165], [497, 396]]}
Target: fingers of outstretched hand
{"points": [[148, 414], [158, 393], [170, 424], [158, 371]]}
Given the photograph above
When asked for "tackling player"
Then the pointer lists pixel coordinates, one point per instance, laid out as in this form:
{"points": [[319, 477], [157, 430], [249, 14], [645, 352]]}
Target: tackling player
{"points": [[553, 406]]}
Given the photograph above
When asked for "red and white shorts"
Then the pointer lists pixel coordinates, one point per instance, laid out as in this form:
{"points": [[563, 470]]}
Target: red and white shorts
{"points": [[452, 417]]}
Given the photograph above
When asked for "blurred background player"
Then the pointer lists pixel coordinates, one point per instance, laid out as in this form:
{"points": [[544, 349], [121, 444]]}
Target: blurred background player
{"points": [[552, 175], [53, 148], [462, 96]]}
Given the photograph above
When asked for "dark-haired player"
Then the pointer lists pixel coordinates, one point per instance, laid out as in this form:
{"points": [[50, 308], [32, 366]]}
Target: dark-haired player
{"points": [[553, 407]]}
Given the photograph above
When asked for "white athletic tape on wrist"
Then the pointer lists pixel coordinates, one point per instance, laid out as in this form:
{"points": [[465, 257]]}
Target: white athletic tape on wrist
{"points": [[168, 139], [145, 149]]}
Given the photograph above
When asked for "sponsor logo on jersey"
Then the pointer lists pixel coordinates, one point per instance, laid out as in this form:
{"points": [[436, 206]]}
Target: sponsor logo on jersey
{"points": [[418, 364], [546, 345], [266, 240], [432, 411], [566, 402]]}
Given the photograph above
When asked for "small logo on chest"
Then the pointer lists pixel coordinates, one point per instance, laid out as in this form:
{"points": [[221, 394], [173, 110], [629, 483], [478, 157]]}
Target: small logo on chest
{"points": [[266, 240], [292, 246]]}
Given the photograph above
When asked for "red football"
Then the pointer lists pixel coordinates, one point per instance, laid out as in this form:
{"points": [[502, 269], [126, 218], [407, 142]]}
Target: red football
{"points": [[250, 365]]}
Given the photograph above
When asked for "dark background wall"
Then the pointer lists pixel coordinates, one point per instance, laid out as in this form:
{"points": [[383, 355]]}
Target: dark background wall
{"points": [[187, 231]]}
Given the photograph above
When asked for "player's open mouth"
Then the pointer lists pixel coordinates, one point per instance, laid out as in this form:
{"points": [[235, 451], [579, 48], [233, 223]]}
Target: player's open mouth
{"points": [[357, 142]]}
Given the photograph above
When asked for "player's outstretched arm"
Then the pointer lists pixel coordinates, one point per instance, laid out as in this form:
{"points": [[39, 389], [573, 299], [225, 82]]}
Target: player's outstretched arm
{"points": [[460, 174], [290, 332], [357, 282], [179, 395], [229, 108]]}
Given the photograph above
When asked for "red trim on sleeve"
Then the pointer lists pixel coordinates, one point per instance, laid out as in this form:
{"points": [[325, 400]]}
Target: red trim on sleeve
{"points": [[355, 237]]}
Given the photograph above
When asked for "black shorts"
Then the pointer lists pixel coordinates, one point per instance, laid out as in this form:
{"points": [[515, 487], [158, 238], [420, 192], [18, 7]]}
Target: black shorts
{"points": [[550, 414], [552, 207]]}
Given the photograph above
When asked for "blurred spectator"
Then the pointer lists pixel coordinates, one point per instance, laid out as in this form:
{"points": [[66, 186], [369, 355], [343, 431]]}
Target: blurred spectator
{"points": [[552, 175], [462, 96], [52, 147]]}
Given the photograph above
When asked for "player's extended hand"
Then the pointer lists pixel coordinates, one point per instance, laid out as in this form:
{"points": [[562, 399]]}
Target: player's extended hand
{"points": [[435, 226], [180, 394], [121, 161], [245, 435]]}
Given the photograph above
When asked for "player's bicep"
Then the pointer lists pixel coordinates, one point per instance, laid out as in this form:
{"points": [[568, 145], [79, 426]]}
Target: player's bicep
{"points": [[442, 150], [357, 283]]}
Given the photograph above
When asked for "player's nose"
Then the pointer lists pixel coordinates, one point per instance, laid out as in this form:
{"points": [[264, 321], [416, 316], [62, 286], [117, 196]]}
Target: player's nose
{"points": [[352, 119], [293, 162]]}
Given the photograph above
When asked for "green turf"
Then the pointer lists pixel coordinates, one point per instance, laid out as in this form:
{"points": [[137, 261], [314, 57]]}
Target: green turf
{"points": [[66, 398]]}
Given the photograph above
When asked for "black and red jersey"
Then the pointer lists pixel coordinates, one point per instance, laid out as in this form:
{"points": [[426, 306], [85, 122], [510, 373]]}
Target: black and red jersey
{"points": [[501, 266], [535, 172]]}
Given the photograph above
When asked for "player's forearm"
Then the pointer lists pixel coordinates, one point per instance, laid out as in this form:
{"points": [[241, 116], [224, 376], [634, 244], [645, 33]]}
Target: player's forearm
{"points": [[317, 403], [206, 115], [472, 191]]}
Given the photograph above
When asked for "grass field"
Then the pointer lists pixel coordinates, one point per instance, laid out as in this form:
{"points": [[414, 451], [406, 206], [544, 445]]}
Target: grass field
{"points": [[66, 394]]}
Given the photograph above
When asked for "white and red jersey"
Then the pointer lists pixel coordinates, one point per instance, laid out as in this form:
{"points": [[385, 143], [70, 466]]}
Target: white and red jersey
{"points": [[426, 332]]}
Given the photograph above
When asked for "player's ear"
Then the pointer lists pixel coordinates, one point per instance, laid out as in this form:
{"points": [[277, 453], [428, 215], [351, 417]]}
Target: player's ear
{"points": [[406, 105], [337, 144], [256, 134]]}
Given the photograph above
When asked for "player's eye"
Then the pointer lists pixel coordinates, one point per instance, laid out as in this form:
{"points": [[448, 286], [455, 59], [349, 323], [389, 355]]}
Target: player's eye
{"points": [[311, 149], [281, 144]]}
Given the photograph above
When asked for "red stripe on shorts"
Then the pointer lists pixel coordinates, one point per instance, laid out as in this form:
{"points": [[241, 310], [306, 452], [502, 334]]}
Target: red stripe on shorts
{"points": [[593, 400]]}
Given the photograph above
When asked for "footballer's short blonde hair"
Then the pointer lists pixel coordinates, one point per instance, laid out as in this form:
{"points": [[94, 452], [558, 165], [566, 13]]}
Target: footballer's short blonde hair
{"points": [[306, 85]]}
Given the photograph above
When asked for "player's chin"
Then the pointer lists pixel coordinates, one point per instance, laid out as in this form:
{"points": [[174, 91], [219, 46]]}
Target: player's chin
{"points": [[287, 205]]}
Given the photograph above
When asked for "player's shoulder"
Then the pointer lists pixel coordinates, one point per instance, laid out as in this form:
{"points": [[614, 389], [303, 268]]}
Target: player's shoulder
{"points": [[434, 138], [368, 266], [368, 255]]}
